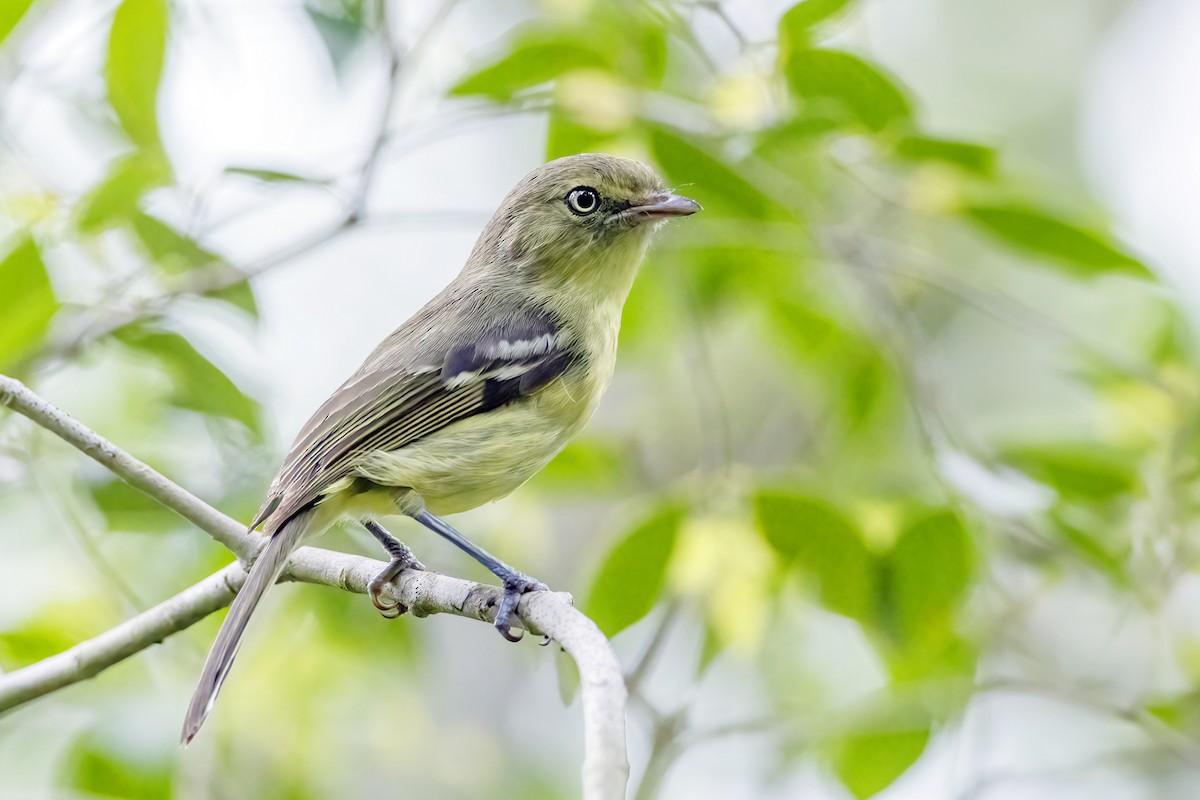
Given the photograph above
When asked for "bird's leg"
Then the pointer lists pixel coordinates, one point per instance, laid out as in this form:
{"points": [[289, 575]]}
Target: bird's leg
{"points": [[515, 583], [402, 559]]}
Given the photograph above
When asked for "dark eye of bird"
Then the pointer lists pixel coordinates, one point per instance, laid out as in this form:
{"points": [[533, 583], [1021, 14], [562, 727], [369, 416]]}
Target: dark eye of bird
{"points": [[583, 200]]}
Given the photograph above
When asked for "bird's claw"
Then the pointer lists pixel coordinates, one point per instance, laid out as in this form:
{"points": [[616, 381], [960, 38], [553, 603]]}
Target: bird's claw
{"points": [[401, 560], [515, 585]]}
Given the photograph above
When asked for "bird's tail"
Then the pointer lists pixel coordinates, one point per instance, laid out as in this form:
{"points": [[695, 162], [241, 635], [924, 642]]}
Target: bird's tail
{"points": [[262, 576]]}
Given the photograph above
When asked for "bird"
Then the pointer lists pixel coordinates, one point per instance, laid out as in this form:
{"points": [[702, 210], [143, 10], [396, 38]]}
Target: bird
{"points": [[472, 395]]}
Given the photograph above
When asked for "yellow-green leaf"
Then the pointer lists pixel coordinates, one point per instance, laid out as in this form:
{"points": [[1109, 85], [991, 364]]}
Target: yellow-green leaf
{"points": [[1078, 250], [869, 763], [631, 578], [964, 155], [929, 570], [27, 302], [136, 49], [712, 182], [534, 59], [1077, 469], [822, 542], [852, 89], [795, 26], [114, 200], [11, 13], [276, 176], [199, 385], [127, 509], [169, 249]]}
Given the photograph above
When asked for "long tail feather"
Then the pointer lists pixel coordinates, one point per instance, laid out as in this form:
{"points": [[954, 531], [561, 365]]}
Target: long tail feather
{"points": [[262, 576]]}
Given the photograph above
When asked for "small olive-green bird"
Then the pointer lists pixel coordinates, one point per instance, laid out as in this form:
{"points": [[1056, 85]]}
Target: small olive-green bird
{"points": [[476, 392]]}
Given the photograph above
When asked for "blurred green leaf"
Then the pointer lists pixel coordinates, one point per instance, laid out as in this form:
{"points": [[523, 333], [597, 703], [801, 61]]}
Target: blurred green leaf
{"points": [[27, 302], [11, 12], [1081, 251], [276, 176], [710, 648], [591, 465], [127, 509], [813, 535], [535, 57], [839, 82], [169, 249], [565, 136], [94, 770], [342, 26], [114, 200], [869, 763], [198, 384], [240, 295], [1091, 550], [1083, 470], [54, 627], [710, 180], [929, 569], [136, 49], [973, 158], [795, 26], [631, 578]]}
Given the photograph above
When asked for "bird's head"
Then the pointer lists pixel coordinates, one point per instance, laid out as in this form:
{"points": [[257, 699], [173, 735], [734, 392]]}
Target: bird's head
{"points": [[582, 220]]}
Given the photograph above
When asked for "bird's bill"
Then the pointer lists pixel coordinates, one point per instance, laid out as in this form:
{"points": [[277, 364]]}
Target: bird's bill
{"points": [[663, 206]]}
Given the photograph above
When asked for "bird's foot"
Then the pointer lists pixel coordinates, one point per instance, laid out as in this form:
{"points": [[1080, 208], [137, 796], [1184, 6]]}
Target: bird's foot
{"points": [[402, 559], [515, 585]]}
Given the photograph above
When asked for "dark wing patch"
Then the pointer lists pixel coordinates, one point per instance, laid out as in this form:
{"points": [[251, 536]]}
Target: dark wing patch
{"points": [[388, 409]]}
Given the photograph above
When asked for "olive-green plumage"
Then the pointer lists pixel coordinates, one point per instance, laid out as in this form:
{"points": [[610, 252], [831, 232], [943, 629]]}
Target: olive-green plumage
{"points": [[476, 392]]}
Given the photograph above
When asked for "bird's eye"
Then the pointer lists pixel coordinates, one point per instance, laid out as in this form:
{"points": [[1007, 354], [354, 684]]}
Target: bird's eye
{"points": [[583, 200]]}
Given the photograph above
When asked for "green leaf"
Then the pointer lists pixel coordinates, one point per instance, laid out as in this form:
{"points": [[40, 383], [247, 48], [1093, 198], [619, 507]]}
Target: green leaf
{"points": [[591, 465], [98, 767], [929, 569], [11, 12], [1090, 549], [631, 578], [27, 302], [565, 136], [839, 82], [973, 158], [818, 539], [711, 181], [198, 384], [276, 176], [535, 58], [136, 48], [239, 295], [1081, 251], [341, 24], [1080, 470], [795, 26], [869, 763], [127, 509], [114, 200], [171, 250]]}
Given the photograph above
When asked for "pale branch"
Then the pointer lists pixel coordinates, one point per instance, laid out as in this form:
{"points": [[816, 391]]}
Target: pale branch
{"points": [[602, 686]]}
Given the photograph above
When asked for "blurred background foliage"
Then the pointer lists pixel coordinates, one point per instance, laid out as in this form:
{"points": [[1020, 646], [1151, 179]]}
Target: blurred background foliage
{"points": [[893, 494]]}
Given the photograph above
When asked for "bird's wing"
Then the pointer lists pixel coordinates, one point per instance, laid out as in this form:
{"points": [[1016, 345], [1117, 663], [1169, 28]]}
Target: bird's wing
{"points": [[386, 408]]}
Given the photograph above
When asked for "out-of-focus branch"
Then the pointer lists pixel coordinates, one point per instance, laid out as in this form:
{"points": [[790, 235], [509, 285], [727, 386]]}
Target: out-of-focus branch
{"points": [[602, 685], [220, 274]]}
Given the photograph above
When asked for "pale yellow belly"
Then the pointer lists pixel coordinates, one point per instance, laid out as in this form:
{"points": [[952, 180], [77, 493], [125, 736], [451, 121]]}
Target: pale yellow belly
{"points": [[485, 457]]}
